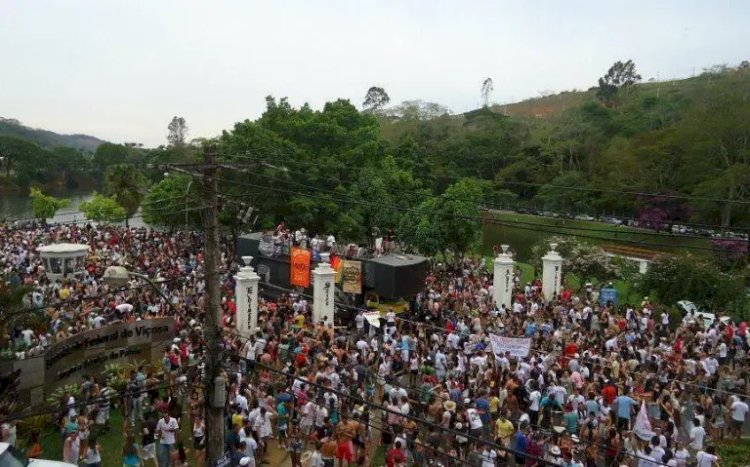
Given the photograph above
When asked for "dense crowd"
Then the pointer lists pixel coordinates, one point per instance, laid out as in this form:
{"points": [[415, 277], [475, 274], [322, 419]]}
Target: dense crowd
{"points": [[602, 384]]}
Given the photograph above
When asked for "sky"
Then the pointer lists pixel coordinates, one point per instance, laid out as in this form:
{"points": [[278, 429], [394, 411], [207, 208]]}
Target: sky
{"points": [[120, 70]]}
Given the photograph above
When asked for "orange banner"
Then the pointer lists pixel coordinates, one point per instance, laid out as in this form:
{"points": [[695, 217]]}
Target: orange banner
{"points": [[300, 267]]}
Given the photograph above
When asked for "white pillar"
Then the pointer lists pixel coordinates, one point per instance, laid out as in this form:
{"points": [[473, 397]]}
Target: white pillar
{"points": [[246, 294], [324, 284], [551, 272], [502, 283]]}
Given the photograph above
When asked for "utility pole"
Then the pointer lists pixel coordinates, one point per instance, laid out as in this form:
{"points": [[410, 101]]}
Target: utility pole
{"points": [[216, 393]]}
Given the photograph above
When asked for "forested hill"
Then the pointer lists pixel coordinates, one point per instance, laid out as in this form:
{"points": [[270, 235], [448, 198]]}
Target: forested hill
{"points": [[603, 151], [45, 138]]}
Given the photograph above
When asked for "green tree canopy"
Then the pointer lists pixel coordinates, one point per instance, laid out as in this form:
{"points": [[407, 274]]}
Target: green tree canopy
{"points": [[588, 262], [451, 222], [45, 206], [102, 208], [173, 201], [687, 277], [127, 186]]}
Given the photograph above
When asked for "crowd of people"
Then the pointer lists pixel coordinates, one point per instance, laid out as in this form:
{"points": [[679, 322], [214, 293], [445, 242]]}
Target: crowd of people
{"points": [[278, 242], [602, 384]]}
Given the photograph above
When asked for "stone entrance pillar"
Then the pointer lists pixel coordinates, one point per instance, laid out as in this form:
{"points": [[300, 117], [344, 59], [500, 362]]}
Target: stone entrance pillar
{"points": [[324, 284], [551, 272], [246, 294], [502, 283]]}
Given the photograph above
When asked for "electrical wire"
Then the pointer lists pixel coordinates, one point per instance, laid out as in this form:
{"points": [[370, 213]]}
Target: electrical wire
{"points": [[387, 410], [509, 182], [94, 401], [537, 350], [509, 224], [630, 232]]}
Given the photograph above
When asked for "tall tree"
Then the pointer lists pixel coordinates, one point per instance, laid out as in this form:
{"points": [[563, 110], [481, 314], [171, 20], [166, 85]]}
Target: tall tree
{"points": [[375, 99], [45, 206], [487, 88], [418, 110], [450, 222], [173, 201], [619, 76], [102, 208], [177, 131], [109, 154], [716, 137], [128, 187]]}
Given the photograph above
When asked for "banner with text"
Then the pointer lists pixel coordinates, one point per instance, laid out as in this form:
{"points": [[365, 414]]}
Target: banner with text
{"points": [[300, 267], [352, 276], [517, 346]]}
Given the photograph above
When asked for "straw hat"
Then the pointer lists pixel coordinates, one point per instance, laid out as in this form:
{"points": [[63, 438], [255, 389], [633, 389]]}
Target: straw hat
{"points": [[449, 406]]}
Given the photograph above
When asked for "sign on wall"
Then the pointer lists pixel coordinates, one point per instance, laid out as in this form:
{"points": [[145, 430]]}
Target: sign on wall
{"points": [[89, 351], [300, 267], [86, 353], [352, 276]]}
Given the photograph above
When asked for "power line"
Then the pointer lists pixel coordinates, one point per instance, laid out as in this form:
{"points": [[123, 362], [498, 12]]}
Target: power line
{"points": [[422, 194], [89, 402], [539, 351], [470, 218], [387, 410], [508, 182]]}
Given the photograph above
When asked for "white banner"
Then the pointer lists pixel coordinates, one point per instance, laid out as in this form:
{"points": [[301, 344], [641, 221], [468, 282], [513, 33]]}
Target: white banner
{"points": [[517, 346], [373, 317]]}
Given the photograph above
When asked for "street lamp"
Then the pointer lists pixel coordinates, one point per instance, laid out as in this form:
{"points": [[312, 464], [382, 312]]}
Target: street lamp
{"points": [[119, 276]]}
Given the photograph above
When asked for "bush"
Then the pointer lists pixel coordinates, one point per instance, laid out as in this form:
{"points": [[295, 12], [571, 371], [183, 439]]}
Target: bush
{"points": [[687, 277]]}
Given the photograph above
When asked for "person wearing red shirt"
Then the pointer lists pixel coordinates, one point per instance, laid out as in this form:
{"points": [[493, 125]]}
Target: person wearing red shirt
{"points": [[395, 456], [609, 392], [677, 348], [571, 349], [729, 332]]}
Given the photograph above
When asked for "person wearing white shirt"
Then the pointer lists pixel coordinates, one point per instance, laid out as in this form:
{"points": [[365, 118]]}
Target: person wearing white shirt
{"points": [[707, 458], [697, 434], [166, 428], [534, 398], [739, 412], [241, 401], [475, 422], [360, 322], [681, 456], [308, 417], [645, 459]]}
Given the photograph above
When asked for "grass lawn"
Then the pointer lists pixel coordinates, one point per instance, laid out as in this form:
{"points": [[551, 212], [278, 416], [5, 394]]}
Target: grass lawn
{"points": [[626, 294], [734, 453], [531, 229], [527, 270], [378, 457], [111, 442]]}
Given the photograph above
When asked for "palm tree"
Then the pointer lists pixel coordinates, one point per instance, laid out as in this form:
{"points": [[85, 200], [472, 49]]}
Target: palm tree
{"points": [[127, 185], [487, 88]]}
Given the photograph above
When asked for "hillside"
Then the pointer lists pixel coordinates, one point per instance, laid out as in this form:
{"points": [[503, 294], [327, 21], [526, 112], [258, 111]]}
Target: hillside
{"points": [[555, 104], [47, 139], [658, 151]]}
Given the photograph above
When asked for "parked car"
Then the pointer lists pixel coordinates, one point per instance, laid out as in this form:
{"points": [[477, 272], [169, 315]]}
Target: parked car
{"points": [[691, 312], [12, 457], [687, 307]]}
